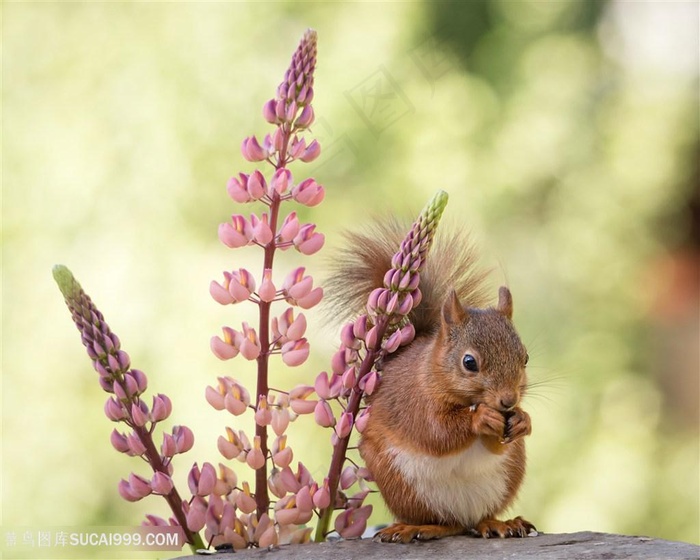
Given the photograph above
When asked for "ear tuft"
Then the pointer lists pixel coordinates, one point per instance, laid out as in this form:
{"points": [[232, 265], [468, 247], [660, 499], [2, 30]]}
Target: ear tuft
{"points": [[505, 302], [452, 310]]}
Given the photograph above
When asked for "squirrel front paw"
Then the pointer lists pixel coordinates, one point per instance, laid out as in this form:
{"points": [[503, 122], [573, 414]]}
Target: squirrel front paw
{"points": [[517, 425], [488, 421]]}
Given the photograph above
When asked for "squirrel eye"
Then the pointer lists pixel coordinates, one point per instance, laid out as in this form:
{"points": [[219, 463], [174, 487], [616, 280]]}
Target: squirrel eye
{"points": [[527, 358], [469, 363]]}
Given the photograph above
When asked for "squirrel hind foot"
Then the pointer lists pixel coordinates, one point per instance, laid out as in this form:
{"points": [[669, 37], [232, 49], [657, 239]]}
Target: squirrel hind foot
{"points": [[403, 533], [488, 528]]}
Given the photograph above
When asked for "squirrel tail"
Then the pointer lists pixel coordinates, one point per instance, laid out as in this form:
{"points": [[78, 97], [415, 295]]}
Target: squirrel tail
{"points": [[359, 267]]}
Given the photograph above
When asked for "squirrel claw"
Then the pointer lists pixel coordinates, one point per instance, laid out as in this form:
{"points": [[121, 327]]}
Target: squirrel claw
{"points": [[518, 528], [403, 533]]}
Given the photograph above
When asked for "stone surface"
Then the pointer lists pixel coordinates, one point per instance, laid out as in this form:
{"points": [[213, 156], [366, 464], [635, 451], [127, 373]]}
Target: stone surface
{"points": [[579, 546]]}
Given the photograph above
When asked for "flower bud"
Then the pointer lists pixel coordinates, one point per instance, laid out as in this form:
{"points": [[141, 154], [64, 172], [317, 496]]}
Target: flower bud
{"points": [[244, 501], [344, 426], [289, 228], [305, 119], [263, 415], [136, 447], [352, 523], [281, 181], [162, 407], [322, 496], [255, 457], [362, 419], [113, 410], [237, 188], [225, 348], [348, 477], [161, 483], [119, 441], [307, 241], [252, 150], [139, 413], [295, 352], [267, 291], [269, 113], [369, 382], [250, 345], [309, 193], [323, 414], [184, 438]]}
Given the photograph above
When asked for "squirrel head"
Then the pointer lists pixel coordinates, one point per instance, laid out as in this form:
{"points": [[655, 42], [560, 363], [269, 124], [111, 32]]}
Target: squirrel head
{"points": [[478, 355]]}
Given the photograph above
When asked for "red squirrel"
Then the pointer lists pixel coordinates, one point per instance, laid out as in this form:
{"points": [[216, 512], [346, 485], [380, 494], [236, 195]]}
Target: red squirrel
{"points": [[445, 436]]}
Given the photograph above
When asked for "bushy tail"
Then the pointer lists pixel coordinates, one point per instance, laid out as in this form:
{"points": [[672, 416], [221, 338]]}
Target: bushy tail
{"points": [[359, 267]]}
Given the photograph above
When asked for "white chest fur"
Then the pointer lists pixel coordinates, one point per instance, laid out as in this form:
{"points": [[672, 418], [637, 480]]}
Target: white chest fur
{"points": [[463, 487]]}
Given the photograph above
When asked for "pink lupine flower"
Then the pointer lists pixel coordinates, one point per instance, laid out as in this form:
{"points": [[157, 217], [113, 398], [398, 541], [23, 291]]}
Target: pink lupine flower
{"points": [[161, 483], [322, 496], [344, 424], [196, 514], [362, 419], [295, 352], [349, 378], [255, 457], [119, 441], [250, 345], [352, 523], [281, 454], [184, 438], [304, 500], [162, 407], [289, 228], [252, 150], [269, 112], [369, 382], [269, 537], [298, 400], [263, 414], [237, 188], [280, 182], [275, 484], [348, 477], [230, 446], [139, 413], [139, 485], [202, 482], [236, 233], [136, 447], [114, 410], [299, 289], [236, 399], [226, 481], [240, 284], [244, 501], [267, 290], [262, 234], [280, 419], [168, 448], [225, 348], [308, 192], [324, 415], [313, 150], [307, 241], [287, 327], [305, 120]]}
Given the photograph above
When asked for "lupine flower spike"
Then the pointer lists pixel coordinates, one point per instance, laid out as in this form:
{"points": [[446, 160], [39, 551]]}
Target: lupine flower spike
{"points": [[251, 522], [355, 367], [126, 386]]}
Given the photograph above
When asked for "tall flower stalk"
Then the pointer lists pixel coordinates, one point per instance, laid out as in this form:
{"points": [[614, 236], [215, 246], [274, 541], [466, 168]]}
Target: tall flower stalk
{"points": [[291, 112], [126, 405], [356, 367]]}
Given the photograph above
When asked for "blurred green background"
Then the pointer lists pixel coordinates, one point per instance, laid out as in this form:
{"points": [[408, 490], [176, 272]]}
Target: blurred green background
{"points": [[565, 132]]}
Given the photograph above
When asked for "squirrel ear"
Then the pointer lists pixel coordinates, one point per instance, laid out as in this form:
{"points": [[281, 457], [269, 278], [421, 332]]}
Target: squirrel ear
{"points": [[452, 310], [505, 302]]}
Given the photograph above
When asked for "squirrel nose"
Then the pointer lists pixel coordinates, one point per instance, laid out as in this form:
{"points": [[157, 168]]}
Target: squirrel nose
{"points": [[508, 402]]}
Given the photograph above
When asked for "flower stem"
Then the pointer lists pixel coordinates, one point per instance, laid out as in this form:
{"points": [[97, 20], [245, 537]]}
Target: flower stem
{"points": [[340, 449]]}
